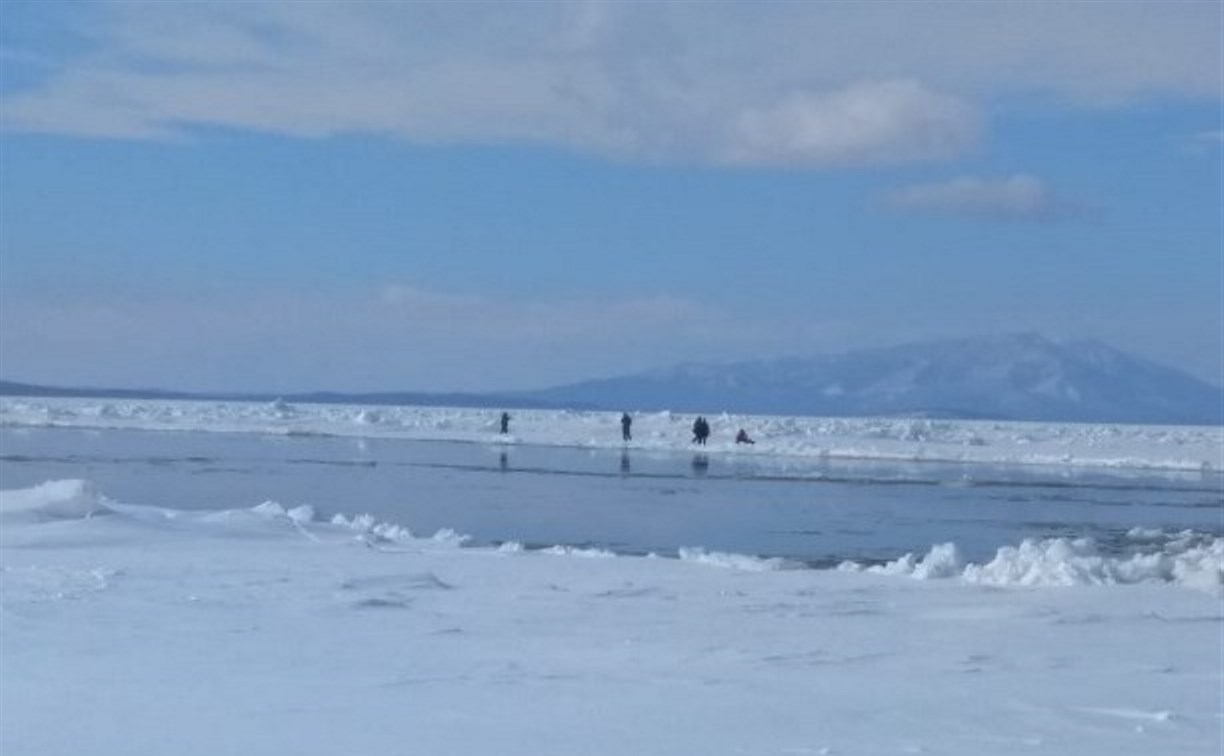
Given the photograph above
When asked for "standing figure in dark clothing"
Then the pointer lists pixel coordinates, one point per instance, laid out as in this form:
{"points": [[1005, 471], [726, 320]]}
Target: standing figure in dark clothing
{"points": [[505, 423], [701, 431], [626, 421]]}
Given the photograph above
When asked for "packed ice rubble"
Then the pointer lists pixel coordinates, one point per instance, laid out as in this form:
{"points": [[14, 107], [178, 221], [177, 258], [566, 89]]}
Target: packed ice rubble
{"points": [[1189, 559], [1184, 448], [741, 562], [54, 500]]}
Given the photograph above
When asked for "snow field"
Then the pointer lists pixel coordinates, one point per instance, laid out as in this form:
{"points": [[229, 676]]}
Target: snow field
{"points": [[143, 630]]}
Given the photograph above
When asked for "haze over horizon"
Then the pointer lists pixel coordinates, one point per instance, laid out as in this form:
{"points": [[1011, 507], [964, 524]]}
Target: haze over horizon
{"points": [[1012, 377], [968, 349], [475, 197]]}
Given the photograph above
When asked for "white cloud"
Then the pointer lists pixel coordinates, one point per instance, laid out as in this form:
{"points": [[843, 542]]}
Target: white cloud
{"points": [[867, 122], [806, 83], [1019, 197]]}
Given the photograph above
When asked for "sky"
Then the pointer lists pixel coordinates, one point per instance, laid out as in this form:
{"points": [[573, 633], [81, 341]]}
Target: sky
{"points": [[490, 196]]}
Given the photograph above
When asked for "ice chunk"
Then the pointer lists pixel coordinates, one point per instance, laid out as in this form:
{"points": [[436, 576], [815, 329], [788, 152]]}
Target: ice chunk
{"points": [[54, 500]]}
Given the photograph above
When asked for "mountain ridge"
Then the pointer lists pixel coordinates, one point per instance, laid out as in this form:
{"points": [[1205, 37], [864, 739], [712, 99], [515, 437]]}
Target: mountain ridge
{"points": [[1022, 376], [1016, 377]]}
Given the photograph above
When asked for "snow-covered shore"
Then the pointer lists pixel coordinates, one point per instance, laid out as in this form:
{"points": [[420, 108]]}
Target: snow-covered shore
{"points": [[1143, 447], [137, 629]]}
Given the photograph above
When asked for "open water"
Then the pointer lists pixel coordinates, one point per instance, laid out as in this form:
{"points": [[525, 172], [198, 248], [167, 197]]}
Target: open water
{"points": [[815, 511]]}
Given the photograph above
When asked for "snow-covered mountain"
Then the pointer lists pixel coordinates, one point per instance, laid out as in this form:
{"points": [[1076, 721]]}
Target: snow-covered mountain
{"points": [[1013, 377], [1019, 377]]}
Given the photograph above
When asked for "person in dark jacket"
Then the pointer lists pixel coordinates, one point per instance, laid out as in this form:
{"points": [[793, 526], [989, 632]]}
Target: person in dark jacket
{"points": [[505, 423], [742, 437], [701, 431], [626, 421]]}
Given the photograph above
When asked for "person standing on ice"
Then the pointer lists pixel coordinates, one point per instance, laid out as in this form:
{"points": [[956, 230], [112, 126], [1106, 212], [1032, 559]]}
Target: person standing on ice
{"points": [[701, 431], [626, 421], [505, 423]]}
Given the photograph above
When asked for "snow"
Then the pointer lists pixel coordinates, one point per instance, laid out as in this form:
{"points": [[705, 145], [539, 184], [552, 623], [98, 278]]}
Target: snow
{"points": [[268, 627], [133, 628], [1148, 447]]}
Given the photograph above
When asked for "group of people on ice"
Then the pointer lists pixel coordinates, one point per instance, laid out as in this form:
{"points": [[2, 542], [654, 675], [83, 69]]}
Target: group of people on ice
{"points": [[701, 432], [701, 429]]}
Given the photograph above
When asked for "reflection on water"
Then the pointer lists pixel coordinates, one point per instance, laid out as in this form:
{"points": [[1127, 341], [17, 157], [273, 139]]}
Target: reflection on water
{"points": [[701, 465], [628, 500]]}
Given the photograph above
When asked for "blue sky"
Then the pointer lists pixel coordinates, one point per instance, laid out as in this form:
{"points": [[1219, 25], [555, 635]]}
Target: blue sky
{"points": [[289, 196]]}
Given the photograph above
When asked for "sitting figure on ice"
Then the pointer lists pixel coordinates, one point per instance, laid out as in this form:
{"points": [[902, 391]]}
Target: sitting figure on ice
{"points": [[742, 437]]}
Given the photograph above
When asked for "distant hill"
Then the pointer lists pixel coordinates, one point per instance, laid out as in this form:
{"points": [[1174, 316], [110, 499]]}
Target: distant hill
{"points": [[1013, 377], [1019, 377], [13, 388]]}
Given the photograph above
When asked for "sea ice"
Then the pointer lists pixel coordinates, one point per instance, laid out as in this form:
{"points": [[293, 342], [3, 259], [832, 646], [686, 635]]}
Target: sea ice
{"points": [[152, 630]]}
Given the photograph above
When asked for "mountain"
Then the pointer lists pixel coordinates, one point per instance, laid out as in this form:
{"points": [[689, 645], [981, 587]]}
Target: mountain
{"points": [[1013, 377], [1018, 377], [13, 388]]}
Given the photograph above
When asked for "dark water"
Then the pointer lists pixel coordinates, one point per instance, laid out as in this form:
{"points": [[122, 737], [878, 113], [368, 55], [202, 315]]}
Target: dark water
{"points": [[634, 502]]}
